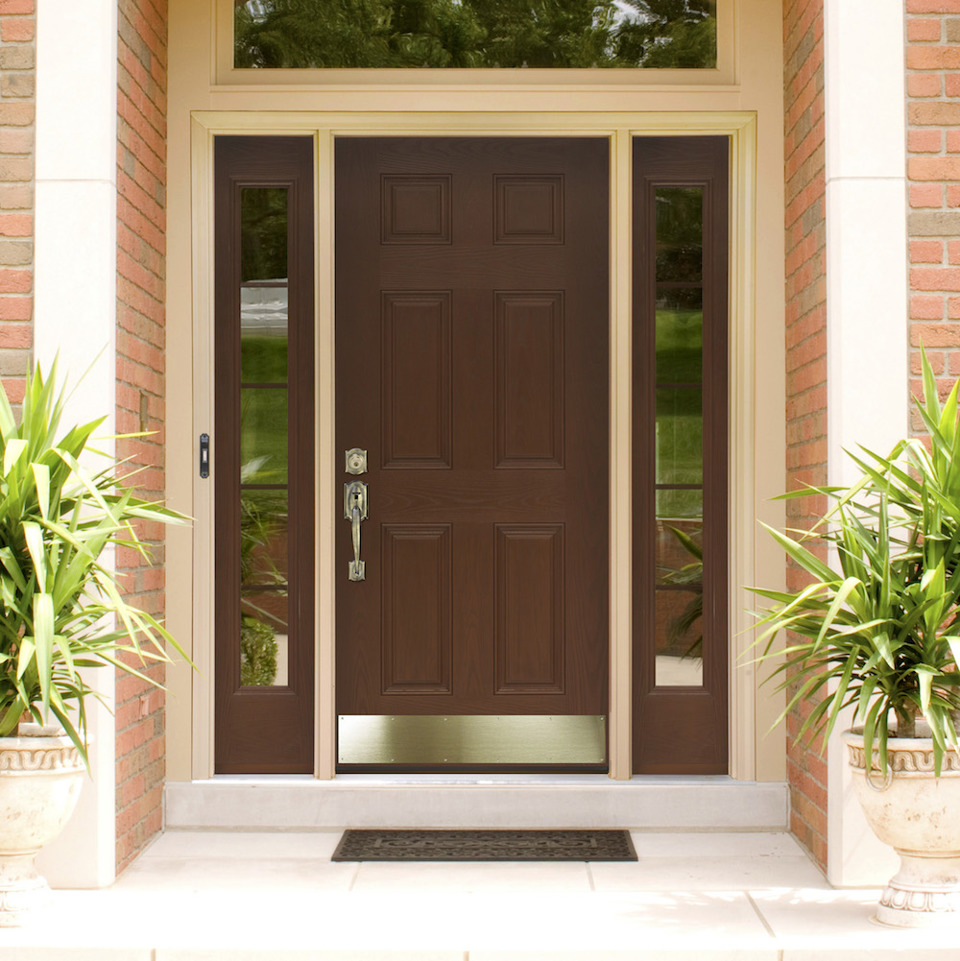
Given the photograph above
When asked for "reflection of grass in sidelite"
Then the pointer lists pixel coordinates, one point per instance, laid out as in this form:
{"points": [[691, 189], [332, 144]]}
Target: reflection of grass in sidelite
{"points": [[263, 411], [679, 346], [679, 411], [263, 434], [263, 359]]}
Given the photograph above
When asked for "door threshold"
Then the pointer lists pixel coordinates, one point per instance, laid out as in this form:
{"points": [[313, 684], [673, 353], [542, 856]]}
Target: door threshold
{"points": [[495, 778]]}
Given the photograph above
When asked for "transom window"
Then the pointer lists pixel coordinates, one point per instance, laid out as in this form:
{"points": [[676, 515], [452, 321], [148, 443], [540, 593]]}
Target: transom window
{"points": [[324, 34]]}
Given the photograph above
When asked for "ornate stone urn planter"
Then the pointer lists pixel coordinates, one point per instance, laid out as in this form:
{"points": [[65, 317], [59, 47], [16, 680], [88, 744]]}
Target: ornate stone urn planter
{"points": [[875, 626], [41, 773], [918, 815], [63, 611]]}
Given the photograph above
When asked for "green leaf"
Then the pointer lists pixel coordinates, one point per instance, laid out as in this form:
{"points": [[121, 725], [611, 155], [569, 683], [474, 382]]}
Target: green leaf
{"points": [[925, 682], [43, 639], [26, 657], [9, 562], [803, 557], [846, 588], [41, 478], [14, 450], [34, 538], [953, 641]]}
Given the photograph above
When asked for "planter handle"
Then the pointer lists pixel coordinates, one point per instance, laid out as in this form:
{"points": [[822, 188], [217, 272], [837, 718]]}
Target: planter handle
{"points": [[887, 780]]}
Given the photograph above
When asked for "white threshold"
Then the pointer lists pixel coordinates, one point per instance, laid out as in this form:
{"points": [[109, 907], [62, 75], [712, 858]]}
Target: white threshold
{"points": [[649, 802]]}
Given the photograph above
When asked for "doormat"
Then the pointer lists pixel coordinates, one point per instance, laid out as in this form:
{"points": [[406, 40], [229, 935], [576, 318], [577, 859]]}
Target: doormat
{"points": [[485, 846]]}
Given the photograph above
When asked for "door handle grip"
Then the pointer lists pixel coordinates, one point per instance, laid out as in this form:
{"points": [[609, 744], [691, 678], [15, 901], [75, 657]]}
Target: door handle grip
{"points": [[355, 509]]}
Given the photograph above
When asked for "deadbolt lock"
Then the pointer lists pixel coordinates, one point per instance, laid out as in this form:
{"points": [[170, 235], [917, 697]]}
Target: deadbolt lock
{"points": [[356, 461]]}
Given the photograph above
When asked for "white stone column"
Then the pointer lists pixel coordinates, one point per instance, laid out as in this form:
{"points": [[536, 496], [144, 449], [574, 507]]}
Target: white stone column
{"points": [[75, 318], [867, 336]]}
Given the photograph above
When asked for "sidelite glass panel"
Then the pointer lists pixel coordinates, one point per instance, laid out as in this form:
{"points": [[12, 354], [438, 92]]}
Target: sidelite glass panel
{"points": [[263, 435], [680, 549], [475, 33], [263, 335], [679, 436], [678, 595], [263, 233], [264, 649], [263, 402], [679, 638], [264, 547], [679, 344], [679, 212]]}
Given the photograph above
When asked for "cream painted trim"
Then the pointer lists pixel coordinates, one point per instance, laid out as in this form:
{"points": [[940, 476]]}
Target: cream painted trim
{"points": [[726, 72], [620, 127], [742, 503], [620, 723], [325, 744], [201, 149]]}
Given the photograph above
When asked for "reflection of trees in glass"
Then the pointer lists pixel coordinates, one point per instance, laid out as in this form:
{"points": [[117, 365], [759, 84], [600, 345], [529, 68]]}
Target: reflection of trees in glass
{"points": [[475, 33], [670, 33], [263, 233], [679, 213]]}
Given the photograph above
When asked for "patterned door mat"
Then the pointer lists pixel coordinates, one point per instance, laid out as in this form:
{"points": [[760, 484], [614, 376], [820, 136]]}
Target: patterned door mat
{"points": [[485, 846]]}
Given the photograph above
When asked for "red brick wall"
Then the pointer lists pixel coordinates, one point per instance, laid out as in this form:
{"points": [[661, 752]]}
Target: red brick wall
{"points": [[806, 350], [17, 57], [141, 222], [933, 173]]}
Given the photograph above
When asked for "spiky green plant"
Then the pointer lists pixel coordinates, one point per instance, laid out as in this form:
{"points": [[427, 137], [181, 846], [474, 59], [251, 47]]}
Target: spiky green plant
{"points": [[61, 606], [878, 628]]}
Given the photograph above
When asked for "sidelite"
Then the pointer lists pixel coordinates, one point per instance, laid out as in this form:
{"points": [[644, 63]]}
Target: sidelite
{"points": [[472, 332], [680, 455], [263, 455]]}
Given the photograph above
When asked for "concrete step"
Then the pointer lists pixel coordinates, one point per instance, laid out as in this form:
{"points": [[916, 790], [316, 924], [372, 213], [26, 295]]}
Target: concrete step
{"points": [[518, 801]]}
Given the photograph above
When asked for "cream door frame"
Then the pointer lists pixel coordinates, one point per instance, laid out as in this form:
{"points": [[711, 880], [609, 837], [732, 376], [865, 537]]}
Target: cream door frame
{"points": [[619, 128]]}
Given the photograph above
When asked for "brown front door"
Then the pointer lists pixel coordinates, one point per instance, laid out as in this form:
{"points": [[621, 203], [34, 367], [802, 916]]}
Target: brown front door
{"points": [[472, 366]]}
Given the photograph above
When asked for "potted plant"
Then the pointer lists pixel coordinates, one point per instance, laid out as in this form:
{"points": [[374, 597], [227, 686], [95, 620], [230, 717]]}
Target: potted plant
{"points": [[62, 612], [877, 629]]}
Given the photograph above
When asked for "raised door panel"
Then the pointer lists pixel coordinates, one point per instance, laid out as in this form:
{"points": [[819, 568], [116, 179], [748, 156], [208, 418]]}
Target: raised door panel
{"points": [[415, 379], [416, 600], [530, 379], [529, 609], [529, 210]]}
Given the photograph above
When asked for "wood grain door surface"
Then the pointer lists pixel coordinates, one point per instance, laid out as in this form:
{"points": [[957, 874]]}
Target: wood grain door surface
{"points": [[472, 364]]}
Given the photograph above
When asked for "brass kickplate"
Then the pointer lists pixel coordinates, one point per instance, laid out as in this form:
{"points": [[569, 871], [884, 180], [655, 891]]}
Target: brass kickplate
{"points": [[413, 739]]}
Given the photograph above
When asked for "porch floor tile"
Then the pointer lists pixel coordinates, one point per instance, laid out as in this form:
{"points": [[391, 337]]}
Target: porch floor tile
{"points": [[246, 896]]}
